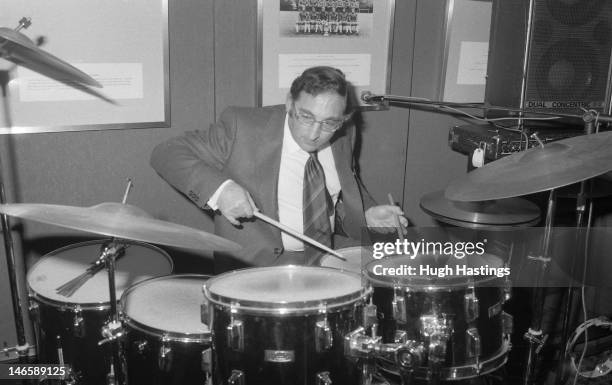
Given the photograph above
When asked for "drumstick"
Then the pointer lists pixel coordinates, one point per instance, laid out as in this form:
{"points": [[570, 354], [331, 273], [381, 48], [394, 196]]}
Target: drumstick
{"points": [[398, 226], [303, 237]]}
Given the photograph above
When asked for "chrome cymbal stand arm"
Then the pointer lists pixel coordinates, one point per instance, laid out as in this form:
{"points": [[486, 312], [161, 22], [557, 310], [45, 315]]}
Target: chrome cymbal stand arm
{"points": [[535, 335], [22, 347]]}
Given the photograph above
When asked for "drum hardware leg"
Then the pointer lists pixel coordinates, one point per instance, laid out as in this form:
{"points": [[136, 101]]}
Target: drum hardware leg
{"points": [[165, 356], [322, 378], [324, 338], [474, 346], [535, 335], [236, 378], [399, 305], [370, 318], [471, 306], [437, 329], [235, 335]]}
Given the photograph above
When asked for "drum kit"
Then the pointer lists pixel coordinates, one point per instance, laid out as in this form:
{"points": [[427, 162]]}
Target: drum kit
{"points": [[112, 311]]}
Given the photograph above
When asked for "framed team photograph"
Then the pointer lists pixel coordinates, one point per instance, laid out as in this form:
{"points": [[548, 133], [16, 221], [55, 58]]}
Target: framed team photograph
{"points": [[351, 35]]}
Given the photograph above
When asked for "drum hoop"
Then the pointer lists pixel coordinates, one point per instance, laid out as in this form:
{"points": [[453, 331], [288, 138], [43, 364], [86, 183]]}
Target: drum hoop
{"points": [[488, 365], [160, 333], [284, 308], [99, 306]]}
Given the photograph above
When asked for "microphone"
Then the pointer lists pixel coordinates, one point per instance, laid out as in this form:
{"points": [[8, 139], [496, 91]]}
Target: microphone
{"points": [[366, 96]]}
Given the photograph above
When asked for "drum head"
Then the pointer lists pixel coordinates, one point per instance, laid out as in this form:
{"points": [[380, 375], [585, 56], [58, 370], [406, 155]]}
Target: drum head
{"points": [[285, 289], [140, 261], [167, 304], [356, 258], [425, 276]]}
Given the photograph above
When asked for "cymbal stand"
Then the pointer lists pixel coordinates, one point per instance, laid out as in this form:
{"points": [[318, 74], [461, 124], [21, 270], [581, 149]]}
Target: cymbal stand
{"points": [[22, 347], [535, 335], [591, 123], [113, 330]]}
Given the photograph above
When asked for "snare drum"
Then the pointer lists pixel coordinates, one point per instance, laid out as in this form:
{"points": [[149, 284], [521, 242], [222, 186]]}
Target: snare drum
{"points": [[74, 323], [456, 320], [284, 325], [356, 258], [166, 342]]}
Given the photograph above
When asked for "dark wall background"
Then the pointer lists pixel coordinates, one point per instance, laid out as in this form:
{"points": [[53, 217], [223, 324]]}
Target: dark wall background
{"points": [[213, 65]]}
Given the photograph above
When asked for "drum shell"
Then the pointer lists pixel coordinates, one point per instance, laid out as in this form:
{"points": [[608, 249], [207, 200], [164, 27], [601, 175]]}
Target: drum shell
{"points": [[459, 362], [183, 365], [79, 324], [154, 355], [265, 334]]}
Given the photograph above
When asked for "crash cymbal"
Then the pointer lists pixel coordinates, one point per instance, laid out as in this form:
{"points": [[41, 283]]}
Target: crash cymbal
{"points": [[511, 212], [120, 221], [19, 49], [557, 164]]}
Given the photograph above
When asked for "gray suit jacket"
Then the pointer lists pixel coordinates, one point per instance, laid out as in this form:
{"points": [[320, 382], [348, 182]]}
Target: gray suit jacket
{"points": [[245, 145]]}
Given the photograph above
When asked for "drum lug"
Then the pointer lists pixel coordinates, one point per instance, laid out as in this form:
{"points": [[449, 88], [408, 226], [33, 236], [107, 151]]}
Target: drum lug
{"points": [[236, 378], [205, 313], [323, 378], [164, 359], [473, 344], [437, 329], [507, 289], [34, 309], [507, 323], [370, 317], [471, 306], [78, 323], [235, 335], [324, 338], [399, 305], [207, 360]]}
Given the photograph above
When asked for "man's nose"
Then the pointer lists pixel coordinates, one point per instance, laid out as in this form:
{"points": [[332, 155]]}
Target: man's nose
{"points": [[315, 131]]}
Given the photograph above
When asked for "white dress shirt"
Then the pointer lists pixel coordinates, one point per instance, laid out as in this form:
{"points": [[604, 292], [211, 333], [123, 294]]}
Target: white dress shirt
{"points": [[291, 183]]}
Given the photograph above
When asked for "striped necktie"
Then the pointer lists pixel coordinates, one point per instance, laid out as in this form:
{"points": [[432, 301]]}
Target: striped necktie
{"points": [[317, 206]]}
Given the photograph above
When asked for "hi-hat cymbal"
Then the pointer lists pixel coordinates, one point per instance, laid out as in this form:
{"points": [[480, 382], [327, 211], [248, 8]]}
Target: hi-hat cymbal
{"points": [[493, 214], [120, 221], [555, 165], [19, 49]]}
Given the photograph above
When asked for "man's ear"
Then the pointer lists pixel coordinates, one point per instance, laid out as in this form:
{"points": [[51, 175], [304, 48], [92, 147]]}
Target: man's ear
{"points": [[288, 102]]}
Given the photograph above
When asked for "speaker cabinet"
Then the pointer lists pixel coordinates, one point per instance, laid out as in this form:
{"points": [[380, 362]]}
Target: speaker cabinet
{"points": [[549, 55]]}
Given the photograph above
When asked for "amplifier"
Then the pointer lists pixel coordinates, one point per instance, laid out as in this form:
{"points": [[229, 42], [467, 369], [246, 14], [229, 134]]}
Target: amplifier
{"points": [[499, 142]]}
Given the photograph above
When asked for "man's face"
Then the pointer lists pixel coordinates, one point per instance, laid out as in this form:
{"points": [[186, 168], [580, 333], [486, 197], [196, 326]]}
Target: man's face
{"points": [[314, 119]]}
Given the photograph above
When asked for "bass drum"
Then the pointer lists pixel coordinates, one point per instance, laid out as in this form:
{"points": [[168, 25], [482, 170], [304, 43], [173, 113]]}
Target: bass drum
{"points": [[356, 258], [453, 318], [166, 342], [73, 324], [284, 325]]}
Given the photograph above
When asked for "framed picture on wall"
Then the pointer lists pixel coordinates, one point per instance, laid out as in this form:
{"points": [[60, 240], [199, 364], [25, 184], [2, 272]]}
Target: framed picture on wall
{"points": [[352, 35], [122, 45], [466, 51]]}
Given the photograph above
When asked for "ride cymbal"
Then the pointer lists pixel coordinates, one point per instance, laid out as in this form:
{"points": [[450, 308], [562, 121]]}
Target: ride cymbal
{"points": [[511, 212], [554, 165]]}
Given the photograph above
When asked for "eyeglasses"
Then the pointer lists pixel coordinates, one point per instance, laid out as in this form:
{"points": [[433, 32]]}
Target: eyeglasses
{"points": [[328, 125]]}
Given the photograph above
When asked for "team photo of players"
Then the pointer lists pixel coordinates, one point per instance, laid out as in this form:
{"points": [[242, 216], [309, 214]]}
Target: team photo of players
{"points": [[325, 17]]}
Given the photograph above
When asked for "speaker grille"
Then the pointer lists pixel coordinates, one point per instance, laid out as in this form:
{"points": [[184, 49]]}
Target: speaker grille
{"points": [[568, 58]]}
